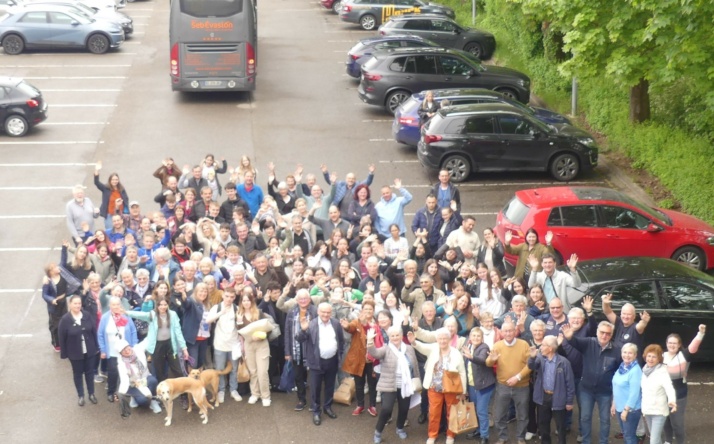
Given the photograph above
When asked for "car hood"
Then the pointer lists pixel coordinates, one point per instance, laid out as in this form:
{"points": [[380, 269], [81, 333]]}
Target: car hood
{"points": [[501, 71], [550, 116], [570, 130], [110, 15], [688, 223]]}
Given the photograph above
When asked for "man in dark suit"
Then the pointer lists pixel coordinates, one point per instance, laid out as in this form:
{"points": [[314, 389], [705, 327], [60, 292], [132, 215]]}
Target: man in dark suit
{"points": [[324, 342]]}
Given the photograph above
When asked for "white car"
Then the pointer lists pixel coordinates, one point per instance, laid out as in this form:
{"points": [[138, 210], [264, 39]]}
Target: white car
{"points": [[96, 4], [81, 7]]}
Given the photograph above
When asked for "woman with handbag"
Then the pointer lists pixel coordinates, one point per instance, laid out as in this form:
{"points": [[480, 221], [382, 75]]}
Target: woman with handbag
{"points": [[482, 381], [357, 363], [399, 372], [445, 379]]}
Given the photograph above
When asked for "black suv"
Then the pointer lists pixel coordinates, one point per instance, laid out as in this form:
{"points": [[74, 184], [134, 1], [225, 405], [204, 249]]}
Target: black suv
{"points": [[391, 77], [444, 31], [21, 106], [497, 137]]}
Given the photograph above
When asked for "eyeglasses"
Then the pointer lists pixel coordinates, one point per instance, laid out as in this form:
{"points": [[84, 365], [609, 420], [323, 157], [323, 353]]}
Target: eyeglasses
{"points": [[556, 307], [606, 333]]}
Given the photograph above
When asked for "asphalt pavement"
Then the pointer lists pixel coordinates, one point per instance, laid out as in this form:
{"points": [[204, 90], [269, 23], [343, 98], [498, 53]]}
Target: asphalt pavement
{"points": [[119, 108]]}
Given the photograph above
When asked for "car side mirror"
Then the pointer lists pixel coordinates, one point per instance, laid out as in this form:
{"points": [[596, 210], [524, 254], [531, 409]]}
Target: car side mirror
{"points": [[75, 23], [470, 73], [653, 228]]}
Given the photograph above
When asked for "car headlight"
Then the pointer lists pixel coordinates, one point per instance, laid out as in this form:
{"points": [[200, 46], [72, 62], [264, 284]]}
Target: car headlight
{"points": [[710, 240], [587, 141]]}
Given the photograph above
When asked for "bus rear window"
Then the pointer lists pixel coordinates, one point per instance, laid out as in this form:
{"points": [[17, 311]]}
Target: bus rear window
{"points": [[212, 8]]}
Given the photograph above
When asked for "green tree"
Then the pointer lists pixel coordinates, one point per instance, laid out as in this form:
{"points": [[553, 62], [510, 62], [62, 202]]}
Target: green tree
{"points": [[635, 42]]}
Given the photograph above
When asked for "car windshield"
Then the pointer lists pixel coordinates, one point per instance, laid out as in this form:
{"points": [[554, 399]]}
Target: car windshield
{"points": [[85, 9], [474, 61], [652, 212]]}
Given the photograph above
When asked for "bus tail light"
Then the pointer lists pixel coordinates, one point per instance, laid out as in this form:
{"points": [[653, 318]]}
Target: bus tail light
{"points": [[250, 58], [175, 60]]}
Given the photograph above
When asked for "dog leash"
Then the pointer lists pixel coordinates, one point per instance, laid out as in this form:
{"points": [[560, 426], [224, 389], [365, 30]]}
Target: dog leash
{"points": [[191, 362]]}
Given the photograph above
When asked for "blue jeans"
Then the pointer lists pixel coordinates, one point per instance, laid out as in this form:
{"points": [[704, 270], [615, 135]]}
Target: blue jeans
{"points": [[197, 351], [139, 397], [587, 404], [481, 399], [655, 423], [629, 427], [220, 358]]}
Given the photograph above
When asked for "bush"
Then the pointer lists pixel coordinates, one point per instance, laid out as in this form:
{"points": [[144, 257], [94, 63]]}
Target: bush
{"points": [[682, 159]]}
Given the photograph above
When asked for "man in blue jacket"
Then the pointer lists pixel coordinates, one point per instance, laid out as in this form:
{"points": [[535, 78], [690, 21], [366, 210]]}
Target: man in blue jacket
{"points": [[390, 209], [324, 342], [344, 189], [554, 388], [600, 362], [428, 218]]}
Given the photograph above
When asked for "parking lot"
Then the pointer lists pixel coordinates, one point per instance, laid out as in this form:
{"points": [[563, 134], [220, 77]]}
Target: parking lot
{"points": [[119, 108]]}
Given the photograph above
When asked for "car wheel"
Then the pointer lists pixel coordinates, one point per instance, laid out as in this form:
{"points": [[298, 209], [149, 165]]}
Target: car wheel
{"points": [[511, 94], [565, 167], [458, 166], [98, 44], [16, 126], [475, 49], [13, 44], [691, 256], [394, 99], [368, 22], [336, 6]]}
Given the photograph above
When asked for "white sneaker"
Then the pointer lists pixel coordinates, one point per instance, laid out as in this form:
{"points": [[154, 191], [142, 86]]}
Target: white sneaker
{"points": [[379, 397], [431, 441], [266, 402], [98, 379], [449, 440], [221, 397], [132, 403], [236, 396], [529, 436], [252, 399], [580, 438], [155, 406]]}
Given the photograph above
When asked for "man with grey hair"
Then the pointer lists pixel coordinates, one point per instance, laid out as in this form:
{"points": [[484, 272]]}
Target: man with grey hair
{"points": [[162, 268], [332, 223], [189, 273], [374, 277], [553, 389], [426, 292], [519, 316], [80, 212], [344, 189]]}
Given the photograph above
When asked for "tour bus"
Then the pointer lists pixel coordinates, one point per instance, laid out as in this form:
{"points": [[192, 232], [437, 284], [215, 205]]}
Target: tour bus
{"points": [[213, 45]]}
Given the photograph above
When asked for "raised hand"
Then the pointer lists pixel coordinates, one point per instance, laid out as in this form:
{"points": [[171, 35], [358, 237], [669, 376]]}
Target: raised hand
{"points": [[404, 310], [645, 316], [702, 328], [494, 355], [573, 261], [323, 168], [449, 308], [371, 334], [607, 299], [371, 168], [344, 323], [533, 261], [548, 237], [588, 303], [533, 351], [567, 331], [508, 236], [98, 166], [333, 177], [410, 337], [397, 183], [408, 281]]}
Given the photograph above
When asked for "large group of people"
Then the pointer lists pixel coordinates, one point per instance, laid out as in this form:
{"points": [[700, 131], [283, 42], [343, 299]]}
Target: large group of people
{"points": [[325, 278]]}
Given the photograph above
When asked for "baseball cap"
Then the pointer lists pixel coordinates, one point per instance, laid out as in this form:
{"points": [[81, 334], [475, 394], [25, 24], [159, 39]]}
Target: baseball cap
{"points": [[133, 202]]}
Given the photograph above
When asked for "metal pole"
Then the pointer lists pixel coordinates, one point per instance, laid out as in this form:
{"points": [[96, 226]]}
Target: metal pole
{"points": [[473, 12], [574, 98]]}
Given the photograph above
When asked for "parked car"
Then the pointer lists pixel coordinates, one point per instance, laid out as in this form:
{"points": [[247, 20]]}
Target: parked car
{"points": [[369, 14], [391, 77], [334, 5], [50, 26], [598, 222], [406, 127], [94, 4], [364, 49], [443, 31], [106, 14], [678, 298], [491, 137], [21, 106]]}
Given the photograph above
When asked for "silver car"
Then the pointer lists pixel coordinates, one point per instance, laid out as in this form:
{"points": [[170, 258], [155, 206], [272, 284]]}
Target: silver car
{"points": [[80, 7], [51, 26]]}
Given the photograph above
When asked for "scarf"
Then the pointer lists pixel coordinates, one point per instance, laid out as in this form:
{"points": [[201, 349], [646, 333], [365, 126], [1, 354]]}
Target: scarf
{"points": [[647, 370], [119, 320], [624, 368], [297, 346], [407, 389], [130, 362]]}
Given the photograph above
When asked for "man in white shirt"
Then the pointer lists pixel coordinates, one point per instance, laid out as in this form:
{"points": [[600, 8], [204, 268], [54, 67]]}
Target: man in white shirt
{"points": [[554, 282]]}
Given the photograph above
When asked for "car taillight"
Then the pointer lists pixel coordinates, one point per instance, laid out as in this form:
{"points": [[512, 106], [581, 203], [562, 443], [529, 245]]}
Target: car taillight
{"points": [[371, 77], [175, 60], [408, 121], [381, 32], [32, 103], [346, 8], [354, 56], [428, 138], [250, 57]]}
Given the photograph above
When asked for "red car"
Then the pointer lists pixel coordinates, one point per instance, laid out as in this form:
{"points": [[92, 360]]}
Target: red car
{"points": [[335, 5], [600, 223]]}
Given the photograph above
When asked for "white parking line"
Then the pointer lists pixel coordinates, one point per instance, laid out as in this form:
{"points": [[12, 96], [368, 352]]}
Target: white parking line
{"points": [[33, 216], [301, 10], [33, 165], [81, 90], [75, 123], [33, 189], [88, 55], [398, 161], [378, 120], [17, 290], [24, 335], [140, 9], [81, 105], [382, 140], [63, 142], [139, 16], [340, 41], [67, 66], [6, 250], [75, 78]]}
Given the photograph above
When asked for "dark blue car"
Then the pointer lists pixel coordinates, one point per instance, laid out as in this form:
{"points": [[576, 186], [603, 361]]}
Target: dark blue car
{"points": [[363, 50], [406, 126]]}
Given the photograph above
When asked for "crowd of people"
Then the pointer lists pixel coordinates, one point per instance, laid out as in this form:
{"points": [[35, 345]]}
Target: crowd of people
{"points": [[324, 277]]}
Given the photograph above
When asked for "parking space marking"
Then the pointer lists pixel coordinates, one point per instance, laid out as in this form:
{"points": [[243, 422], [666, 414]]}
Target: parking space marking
{"points": [[33, 216], [75, 78], [378, 120], [39, 54], [75, 123], [81, 105], [17, 250], [23, 335], [33, 165], [33, 189], [17, 290], [82, 90], [57, 142], [398, 161], [340, 41], [383, 140], [67, 66]]}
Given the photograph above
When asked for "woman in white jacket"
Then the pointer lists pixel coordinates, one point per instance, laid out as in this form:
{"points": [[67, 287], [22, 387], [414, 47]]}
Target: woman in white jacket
{"points": [[135, 380], [658, 395]]}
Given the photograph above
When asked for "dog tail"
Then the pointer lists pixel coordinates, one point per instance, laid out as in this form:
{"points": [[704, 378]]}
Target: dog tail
{"points": [[229, 367]]}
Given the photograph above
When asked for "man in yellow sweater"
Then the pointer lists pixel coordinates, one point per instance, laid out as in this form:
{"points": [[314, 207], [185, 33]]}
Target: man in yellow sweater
{"points": [[510, 355]]}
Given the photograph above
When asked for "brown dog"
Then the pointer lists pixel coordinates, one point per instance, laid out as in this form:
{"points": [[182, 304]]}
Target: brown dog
{"points": [[170, 389], [209, 378]]}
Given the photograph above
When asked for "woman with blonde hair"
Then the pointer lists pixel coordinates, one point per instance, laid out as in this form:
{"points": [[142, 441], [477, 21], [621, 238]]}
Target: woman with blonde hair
{"points": [[194, 325]]}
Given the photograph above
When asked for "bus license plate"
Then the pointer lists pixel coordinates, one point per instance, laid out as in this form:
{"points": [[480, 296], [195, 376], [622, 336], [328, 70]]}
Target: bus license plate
{"points": [[213, 83]]}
